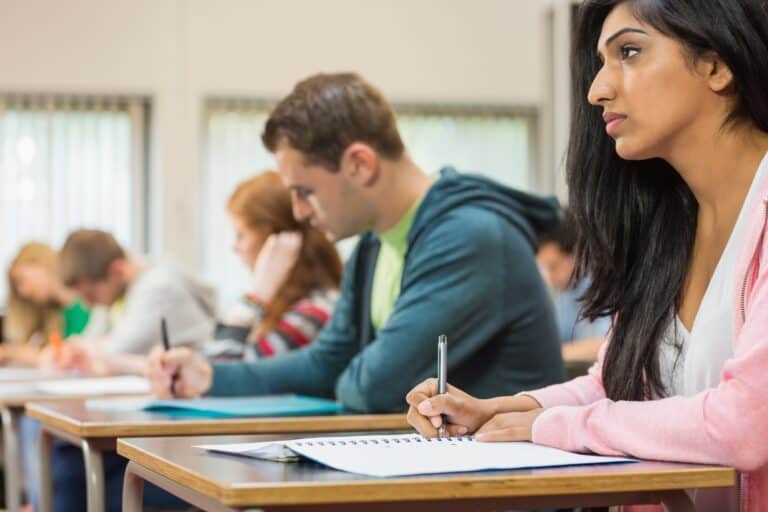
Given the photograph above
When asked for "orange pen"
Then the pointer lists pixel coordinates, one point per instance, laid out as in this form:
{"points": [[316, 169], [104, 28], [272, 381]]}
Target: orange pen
{"points": [[56, 341]]}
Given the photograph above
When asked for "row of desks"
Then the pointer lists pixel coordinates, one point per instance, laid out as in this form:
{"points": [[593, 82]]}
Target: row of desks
{"points": [[160, 450]]}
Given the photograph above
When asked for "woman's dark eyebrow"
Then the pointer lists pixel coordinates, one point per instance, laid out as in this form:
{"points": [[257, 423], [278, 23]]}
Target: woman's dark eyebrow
{"points": [[623, 31]]}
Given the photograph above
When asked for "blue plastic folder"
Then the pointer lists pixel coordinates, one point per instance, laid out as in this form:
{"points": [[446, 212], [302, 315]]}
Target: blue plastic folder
{"points": [[242, 407]]}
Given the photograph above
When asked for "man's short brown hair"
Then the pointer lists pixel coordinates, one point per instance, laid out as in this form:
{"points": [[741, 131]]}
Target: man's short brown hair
{"points": [[87, 255], [325, 113]]}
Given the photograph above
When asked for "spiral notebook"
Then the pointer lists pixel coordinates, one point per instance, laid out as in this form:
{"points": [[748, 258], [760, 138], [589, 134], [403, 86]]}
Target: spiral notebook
{"points": [[411, 454]]}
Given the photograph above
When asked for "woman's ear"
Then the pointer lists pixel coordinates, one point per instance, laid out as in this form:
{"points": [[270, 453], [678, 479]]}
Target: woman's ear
{"points": [[719, 76]]}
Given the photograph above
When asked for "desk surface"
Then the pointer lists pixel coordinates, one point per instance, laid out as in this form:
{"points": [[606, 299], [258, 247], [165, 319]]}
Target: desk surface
{"points": [[239, 481], [75, 418]]}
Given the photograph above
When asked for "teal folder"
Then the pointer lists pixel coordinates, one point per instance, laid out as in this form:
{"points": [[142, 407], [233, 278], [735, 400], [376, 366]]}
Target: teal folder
{"points": [[246, 407]]}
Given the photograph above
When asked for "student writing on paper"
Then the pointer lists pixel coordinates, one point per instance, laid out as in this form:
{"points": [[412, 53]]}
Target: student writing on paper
{"points": [[296, 273], [668, 176], [39, 307], [92, 262], [436, 256]]}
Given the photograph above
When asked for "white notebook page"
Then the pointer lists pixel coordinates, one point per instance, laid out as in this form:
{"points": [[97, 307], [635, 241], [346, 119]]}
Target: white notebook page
{"points": [[411, 454], [95, 386]]}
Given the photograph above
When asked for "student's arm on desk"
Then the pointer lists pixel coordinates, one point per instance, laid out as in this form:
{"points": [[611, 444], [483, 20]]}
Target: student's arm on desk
{"points": [[503, 418], [452, 286], [22, 354], [726, 424]]}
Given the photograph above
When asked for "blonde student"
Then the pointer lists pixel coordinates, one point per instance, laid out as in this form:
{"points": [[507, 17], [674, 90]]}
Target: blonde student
{"points": [[668, 178], [38, 306]]}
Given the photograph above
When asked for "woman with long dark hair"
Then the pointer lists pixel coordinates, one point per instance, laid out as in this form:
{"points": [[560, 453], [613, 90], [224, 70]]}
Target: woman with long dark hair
{"points": [[668, 179]]}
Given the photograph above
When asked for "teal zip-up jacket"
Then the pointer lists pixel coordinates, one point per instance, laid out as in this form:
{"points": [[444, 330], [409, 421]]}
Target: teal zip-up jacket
{"points": [[469, 273]]}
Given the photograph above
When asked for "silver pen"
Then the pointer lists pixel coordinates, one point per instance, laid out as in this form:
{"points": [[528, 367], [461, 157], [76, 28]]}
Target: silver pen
{"points": [[442, 375]]}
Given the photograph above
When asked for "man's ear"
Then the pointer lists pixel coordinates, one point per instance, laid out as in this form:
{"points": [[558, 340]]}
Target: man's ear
{"points": [[116, 268], [719, 76], [360, 163]]}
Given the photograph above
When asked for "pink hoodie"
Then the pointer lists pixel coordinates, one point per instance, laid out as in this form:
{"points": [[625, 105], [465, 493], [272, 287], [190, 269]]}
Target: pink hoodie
{"points": [[725, 425]]}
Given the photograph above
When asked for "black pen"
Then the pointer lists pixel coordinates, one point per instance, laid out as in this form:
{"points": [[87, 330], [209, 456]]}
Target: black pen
{"points": [[442, 375], [167, 347]]}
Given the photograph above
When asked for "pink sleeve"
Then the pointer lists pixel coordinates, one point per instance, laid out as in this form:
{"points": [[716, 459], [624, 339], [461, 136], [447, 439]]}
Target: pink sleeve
{"points": [[727, 424], [579, 391]]}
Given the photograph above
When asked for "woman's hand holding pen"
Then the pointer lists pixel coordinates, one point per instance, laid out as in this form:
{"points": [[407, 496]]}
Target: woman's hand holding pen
{"points": [[193, 375], [465, 413], [495, 419]]}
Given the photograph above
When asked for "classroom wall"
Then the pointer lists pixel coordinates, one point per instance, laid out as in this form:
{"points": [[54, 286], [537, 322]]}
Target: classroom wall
{"points": [[178, 52]]}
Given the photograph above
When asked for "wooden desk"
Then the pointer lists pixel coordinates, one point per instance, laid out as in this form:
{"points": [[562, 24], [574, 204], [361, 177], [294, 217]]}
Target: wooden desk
{"points": [[97, 431], [218, 483]]}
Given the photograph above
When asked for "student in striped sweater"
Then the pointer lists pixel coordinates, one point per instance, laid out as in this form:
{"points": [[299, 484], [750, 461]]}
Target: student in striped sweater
{"points": [[296, 273]]}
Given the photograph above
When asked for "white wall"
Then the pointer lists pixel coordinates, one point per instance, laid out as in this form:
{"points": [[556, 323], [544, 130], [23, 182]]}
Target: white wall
{"points": [[178, 52]]}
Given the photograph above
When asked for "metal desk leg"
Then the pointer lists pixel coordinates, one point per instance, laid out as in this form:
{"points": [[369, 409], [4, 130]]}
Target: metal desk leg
{"points": [[10, 420], [133, 490], [94, 467], [45, 455], [94, 476]]}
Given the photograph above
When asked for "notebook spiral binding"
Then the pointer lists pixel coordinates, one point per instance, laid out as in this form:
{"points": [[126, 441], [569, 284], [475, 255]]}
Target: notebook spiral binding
{"points": [[375, 441]]}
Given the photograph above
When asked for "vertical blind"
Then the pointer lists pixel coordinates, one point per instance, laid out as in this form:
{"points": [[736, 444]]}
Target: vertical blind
{"points": [[66, 163], [493, 142]]}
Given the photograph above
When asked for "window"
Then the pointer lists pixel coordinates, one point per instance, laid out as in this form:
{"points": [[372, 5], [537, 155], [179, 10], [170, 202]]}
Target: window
{"points": [[70, 162], [489, 141], [496, 142]]}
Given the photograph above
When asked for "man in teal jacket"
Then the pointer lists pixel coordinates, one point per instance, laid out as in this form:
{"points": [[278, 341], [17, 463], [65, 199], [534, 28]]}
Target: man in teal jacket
{"points": [[452, 255]]}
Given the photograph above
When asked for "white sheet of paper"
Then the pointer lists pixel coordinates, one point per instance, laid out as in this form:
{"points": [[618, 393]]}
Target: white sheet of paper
{"points": [[98, 386], [411, 454], [10, 374], [11, 389], [118, 404], [270, 450]]}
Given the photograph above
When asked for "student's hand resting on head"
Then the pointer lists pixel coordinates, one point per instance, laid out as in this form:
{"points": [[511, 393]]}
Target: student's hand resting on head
{"points": [[467, 414], [194, 374], [274, 263]]}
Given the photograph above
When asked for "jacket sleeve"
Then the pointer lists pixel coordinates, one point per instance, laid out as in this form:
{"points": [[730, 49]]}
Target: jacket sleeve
{"points": [[453, 280], [726, 424], [311, 370]]}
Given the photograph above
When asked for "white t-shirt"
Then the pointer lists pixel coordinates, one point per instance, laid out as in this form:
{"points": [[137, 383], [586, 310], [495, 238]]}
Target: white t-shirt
{"points": [[698, 363]]}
